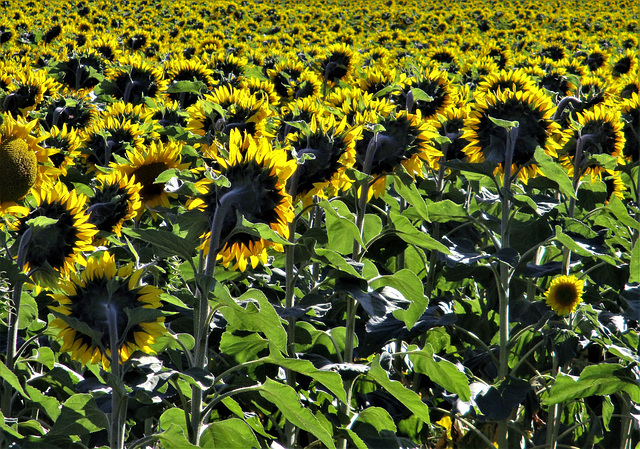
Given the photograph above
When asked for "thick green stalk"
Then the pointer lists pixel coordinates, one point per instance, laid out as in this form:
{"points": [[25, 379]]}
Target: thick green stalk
{"points": [[577, 173], [505, 276], [118, 397], [433, 257]]}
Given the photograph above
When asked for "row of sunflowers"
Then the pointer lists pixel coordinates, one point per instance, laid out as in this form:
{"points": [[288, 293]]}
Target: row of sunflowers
{"points": [[306, 225]]}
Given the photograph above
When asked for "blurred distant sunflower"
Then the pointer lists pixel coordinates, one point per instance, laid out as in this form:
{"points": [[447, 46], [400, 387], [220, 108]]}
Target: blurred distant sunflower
{"points": [[505, 79], [596, 59], [556, 80], [487, 141], [22, 160], [564, 294], [625, 64], [475, 69], [405, 141], [144, 167], [307, 86], [333, 147], [351, 102], [116, 200], [601, 131], [262, 89], [302, 109], [106, 45], [374, 79], [625, 86], [57, 243], [133, 80], [630, 112], [285, 76], [100, 294], [257, 175], [227, 68]]}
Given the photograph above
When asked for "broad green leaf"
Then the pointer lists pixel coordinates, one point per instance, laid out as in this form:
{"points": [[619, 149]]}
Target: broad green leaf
{"points": [[49, 404], [570, 243], [408, 397], [442, 372], [634, 264], [617, 208], [174, 438], [244, 348], [413, 236], [8, 376], [338, 262], [445, 210], [231, 433], [407, 283], [8, 429], [263, 231], [341, 227], [265, 320], [601, 380], [194, 87], [252, 421], [331, 380], [555, 172], [164, 240], [421, 95], [406, 187], [79, 416], [286, 400], [378, 418], [28, 311], [506, 124], [372, 227]]}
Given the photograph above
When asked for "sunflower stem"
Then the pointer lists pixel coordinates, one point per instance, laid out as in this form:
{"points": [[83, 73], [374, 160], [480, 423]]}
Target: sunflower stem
{"points": [[433, 257], [290, 429], [552, 430], [118, 399], [505, 274], [577, 173]]}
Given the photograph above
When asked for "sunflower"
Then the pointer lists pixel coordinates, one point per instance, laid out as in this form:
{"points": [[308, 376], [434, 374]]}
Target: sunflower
{"points": [[333, 147], [30, 88], [241, 110], [625, 64], [406, 141], [564, 294], [285, 76], [116, 200], [262, 89], [353, 102], [108, 138], [436, 85], [65, 233], [73, 111], [515, 80], [133, 80], [177, 70], [302, 109], [450, 124], [630, 112], [63, 145], [487, 141], [23, 161], [374, 79], [80, 72], [227, 68], [626, 86], [101, 294], [601, 132], [144, 166], [257, 176]]}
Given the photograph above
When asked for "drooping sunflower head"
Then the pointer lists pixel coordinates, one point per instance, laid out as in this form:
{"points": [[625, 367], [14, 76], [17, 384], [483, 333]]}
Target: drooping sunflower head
{"points": [[436, 85], [285, 76], [450, 124], [302, 109], [79, 72], [72, 111], [263, 89], [108, 137], [227, 68], [333, 148], [56, 230], [181, 69], [338, 63], [406, 140], [146, 165], [376, 78], [133, 80], [625, 64], [564, 294], [630, 112], [487, 141], [94, 303], [116, 199], [626, 86], [505, 80], [257, 175], [598, 131], [30, 88]]}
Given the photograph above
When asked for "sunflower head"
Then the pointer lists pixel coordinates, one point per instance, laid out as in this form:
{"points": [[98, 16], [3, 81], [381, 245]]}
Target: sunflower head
{"points": [[94, 304], [564, 294], [116, 199], [257, 175]]}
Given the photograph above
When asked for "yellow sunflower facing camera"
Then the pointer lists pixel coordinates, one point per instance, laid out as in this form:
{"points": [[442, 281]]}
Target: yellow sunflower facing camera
{"points": [[564, 294]]}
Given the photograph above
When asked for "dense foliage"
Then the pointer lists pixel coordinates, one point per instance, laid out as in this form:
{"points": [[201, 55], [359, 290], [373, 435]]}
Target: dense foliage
{"points": [[274, 224]]}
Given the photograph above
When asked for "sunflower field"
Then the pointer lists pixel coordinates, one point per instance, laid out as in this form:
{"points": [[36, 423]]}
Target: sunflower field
{"points": [[269, 224]]}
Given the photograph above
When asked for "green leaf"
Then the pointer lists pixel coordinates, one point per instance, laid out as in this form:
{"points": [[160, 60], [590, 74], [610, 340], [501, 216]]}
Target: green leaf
{"points": [[49, 404], [378, 418], [554, 172], [174, 438], [264, 231], [413, 236], [442, 372], [407, 189], [164, 240], [571, 244], [445, 210], [28, 311], [408, 397], [601, 380], [338, 262], [8, 429], [253, 421], [79, 416], [41, 222], [286, 400], [506, 124], [421, 95], [243, 348], [341, 227], [9, 377], [265, 319], [634, 264], [194, 87], [331, 380], [618, 208], [372, 227], [231, 433], [484, 168], [407, 283]]}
